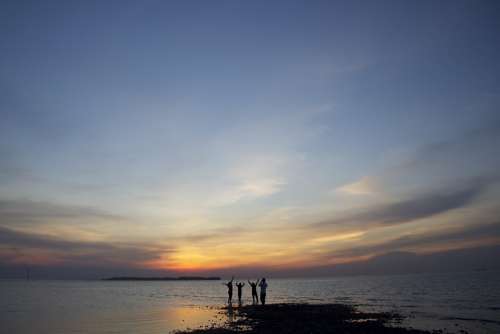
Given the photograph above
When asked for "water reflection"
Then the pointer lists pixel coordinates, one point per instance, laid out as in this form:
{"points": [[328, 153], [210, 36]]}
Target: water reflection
{"points": [[188, 317], [431, 302]]}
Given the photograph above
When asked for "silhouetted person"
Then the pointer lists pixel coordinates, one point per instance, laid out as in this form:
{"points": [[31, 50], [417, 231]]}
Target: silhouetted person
{"points": [[255, 297], [229, 290], [239, 285], [263, 287]]}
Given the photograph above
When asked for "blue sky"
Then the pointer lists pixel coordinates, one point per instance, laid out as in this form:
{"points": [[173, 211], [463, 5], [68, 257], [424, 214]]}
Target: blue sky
{"points": [[151, 124]]}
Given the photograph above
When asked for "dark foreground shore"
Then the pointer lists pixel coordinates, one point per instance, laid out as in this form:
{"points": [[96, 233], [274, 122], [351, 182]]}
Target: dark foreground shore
{"points": [[305, 318]]}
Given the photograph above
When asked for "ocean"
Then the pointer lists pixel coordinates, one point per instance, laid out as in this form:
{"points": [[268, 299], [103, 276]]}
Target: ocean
{"points": [[453, 301]]}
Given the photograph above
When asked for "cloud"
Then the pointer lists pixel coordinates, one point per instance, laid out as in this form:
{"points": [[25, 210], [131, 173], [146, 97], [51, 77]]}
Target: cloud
{"points": [[421, 206], [339, 237], [471, 258], [24, 247], [22, 211], [365, 186], [258, 175], [247, 189], [482, 138], [471, 153], [438, 240], [262, 187]]}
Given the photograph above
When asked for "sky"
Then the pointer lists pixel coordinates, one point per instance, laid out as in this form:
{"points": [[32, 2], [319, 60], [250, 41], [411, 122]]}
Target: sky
{"points": [[231, 136]]}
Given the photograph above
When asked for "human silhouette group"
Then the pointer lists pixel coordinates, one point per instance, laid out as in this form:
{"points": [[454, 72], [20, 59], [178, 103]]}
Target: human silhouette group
{"points": [[255, 297]]}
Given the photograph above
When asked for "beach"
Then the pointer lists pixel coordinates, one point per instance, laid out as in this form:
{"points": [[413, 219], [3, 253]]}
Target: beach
{"points": [[305, 318]]}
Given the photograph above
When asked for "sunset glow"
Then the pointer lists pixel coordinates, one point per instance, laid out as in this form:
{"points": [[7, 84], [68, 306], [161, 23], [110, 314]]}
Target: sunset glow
{"points": [[142, 137]]}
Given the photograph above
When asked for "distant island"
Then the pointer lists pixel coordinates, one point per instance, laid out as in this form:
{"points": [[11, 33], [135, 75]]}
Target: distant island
{"points": [[181, 278]]}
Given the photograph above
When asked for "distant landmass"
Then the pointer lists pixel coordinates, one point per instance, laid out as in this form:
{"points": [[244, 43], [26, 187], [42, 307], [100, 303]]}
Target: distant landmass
{"points": [[182, 278], [477, 259]]}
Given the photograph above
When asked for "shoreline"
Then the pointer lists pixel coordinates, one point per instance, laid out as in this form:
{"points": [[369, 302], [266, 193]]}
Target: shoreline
{"points": [[305, 318]]}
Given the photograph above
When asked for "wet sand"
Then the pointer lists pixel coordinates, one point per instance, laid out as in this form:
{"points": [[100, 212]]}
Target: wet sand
{"points": [[305, 318]]}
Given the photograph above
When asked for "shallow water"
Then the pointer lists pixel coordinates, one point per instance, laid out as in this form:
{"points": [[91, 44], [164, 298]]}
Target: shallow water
{"points": [[469, 301]]}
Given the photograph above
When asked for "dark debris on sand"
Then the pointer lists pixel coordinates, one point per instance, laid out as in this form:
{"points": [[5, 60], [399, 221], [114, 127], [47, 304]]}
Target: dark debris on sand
{"points": [[306, 318]]}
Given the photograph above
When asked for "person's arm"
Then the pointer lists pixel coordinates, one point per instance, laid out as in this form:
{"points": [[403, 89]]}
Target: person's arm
{"points": [[257, 282], [249, 282], [232, 279]]}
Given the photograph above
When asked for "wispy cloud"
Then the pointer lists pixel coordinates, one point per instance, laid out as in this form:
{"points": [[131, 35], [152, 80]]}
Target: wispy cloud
{"points": [[482, 140], [365, 186], [350, 236], [21, 211], [418, 207], [248, 189], [23, 247], [473, 153], [476, 235]]}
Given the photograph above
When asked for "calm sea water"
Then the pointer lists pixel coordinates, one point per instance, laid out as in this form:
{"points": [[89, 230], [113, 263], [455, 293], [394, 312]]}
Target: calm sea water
{"points": [[469, 301]]}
